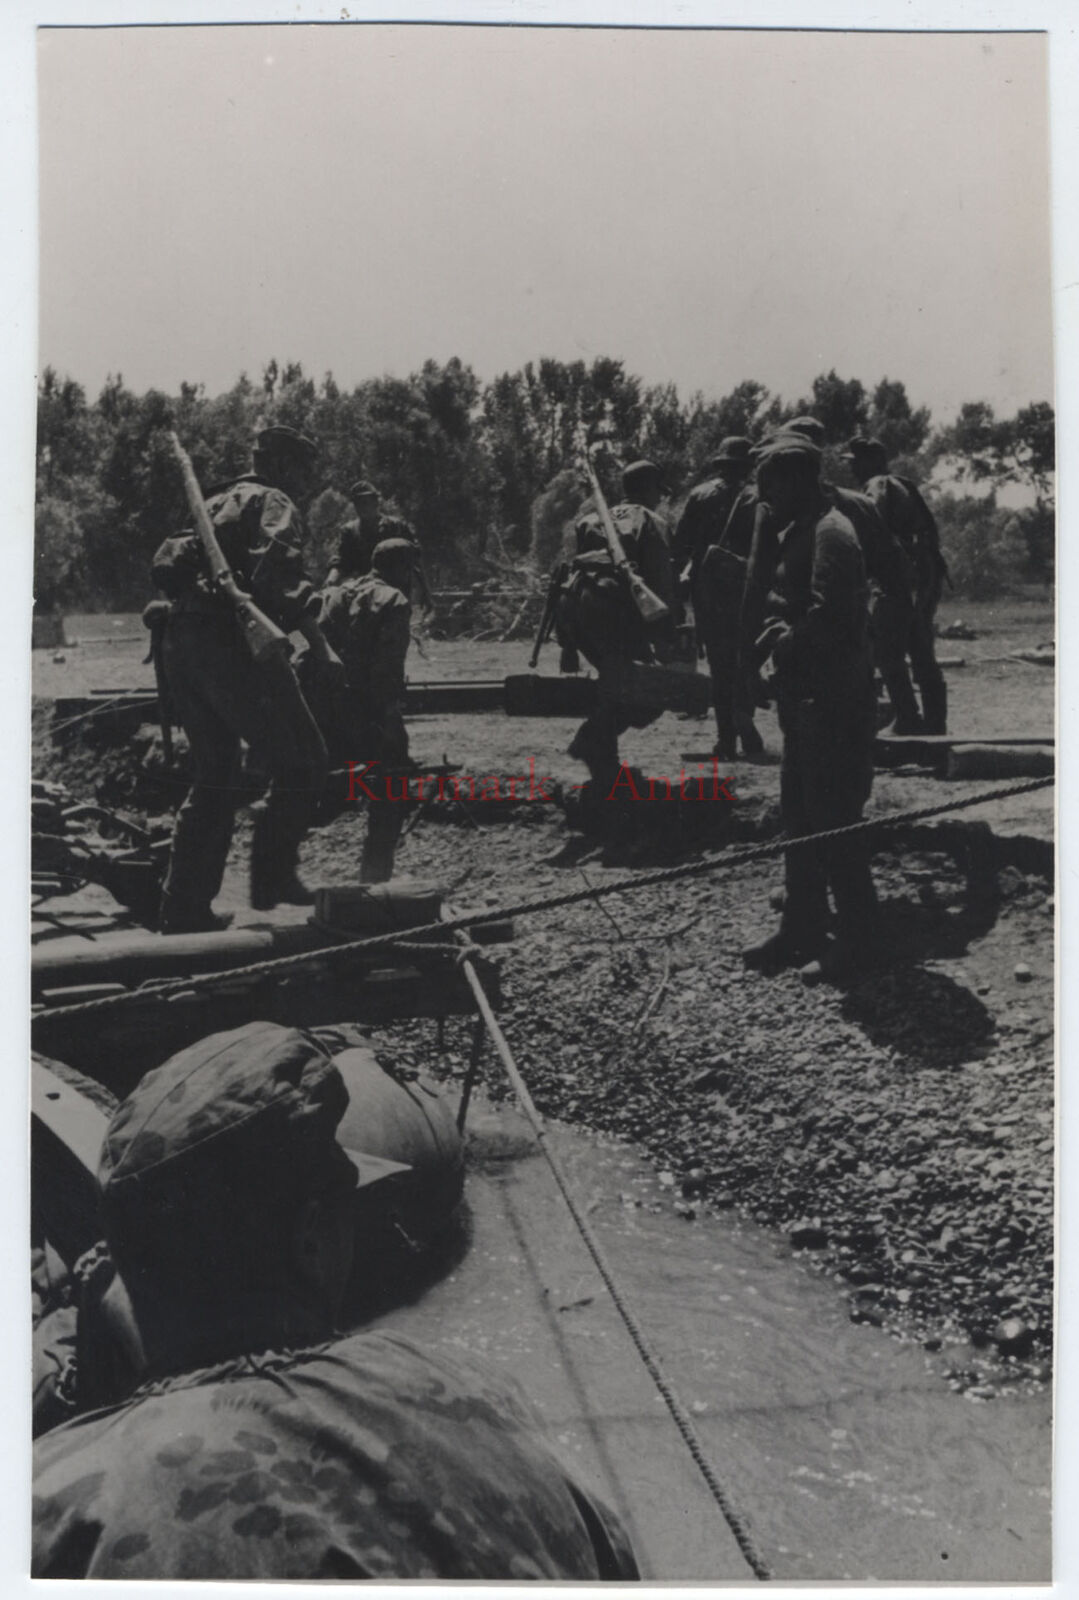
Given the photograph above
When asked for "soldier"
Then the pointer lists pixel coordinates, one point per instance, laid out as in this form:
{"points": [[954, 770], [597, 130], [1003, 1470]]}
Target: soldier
{"points": [[711, 548], [367, 618], [221, 695], [910, 521], [806, 607], [891, 583], [596, 616], [370, 527], [261, 1444]]}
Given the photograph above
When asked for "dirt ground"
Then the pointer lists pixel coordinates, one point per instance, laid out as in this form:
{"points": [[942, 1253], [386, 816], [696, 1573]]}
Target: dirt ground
{"points": [[899, 1132]]}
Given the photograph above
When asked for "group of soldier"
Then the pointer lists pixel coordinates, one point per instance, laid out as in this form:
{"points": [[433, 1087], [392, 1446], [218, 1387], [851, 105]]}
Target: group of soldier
{"points": [[236, 1434], [799, 589], [342, 698]]}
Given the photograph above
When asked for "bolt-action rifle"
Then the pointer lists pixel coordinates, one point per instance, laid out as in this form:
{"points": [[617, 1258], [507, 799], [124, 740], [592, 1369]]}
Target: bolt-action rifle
{"points": [[264, 638], [649, 606]]}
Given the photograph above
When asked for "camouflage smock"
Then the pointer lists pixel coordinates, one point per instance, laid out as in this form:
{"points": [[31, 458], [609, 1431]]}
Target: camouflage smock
{"points": [[365, 1458], [262, 537]]}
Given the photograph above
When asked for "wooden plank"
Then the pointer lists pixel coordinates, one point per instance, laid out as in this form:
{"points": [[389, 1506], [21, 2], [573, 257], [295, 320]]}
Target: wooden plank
{"points": [[73, 1119], [946, 740], [66, 1132], [933, 749], [133, 958]]}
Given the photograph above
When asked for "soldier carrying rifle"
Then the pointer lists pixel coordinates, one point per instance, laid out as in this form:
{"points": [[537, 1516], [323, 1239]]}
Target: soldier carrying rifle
{"points": [[236, 587], [367, 618], [617, 606]]}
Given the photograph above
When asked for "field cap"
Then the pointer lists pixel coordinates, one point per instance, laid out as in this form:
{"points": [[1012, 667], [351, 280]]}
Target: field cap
{"points": [[283, 439], [811, 428], [867, 450], [363, 489], [786, 446], [262, 1100], [392, 553], [808, 428], [639, 472], [396, 528], [733, 451]]}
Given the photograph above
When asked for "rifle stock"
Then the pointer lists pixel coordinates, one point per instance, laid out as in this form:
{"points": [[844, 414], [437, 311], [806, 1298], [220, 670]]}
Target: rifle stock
{"points": [[649, 606], [264, 638]]}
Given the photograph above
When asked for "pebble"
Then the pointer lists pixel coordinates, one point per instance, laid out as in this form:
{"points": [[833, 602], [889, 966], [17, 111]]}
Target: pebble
{"points": [[707, 1078], [1012, 1336], [1022, 972], [807, 1235]]}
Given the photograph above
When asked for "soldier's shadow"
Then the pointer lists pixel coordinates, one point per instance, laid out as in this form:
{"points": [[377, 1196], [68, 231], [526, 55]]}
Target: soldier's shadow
{"points": [[927, 1016], [949, 892]]}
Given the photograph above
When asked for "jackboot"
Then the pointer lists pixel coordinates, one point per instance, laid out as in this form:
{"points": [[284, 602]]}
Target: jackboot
{"points": [[781, 949], [749, 734], [935, 704], [275, 849], [183, 916], [904, 703]]}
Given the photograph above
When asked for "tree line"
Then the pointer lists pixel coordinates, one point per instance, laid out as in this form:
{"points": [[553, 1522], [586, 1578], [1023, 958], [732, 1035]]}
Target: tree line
{"points": [[486, 472]]}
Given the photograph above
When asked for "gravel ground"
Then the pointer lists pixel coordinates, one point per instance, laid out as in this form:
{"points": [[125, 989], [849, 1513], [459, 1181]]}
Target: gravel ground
{"points": [[899, 1132]]}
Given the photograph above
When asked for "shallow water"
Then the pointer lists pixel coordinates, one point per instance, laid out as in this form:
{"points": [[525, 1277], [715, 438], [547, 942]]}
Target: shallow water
{"points": [[842, 1447]]}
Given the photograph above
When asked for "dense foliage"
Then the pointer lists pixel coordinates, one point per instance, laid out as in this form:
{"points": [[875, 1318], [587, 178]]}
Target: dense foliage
{"points": [[486, 471]]}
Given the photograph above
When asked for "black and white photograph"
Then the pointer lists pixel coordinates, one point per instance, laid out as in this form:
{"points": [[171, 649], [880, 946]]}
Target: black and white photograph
{"points": [[543, 950]]}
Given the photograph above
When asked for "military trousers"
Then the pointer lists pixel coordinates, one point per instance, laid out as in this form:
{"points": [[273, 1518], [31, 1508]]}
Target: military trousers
{"points": [[221, 697], [926, 669], [890, 628], [731, 699], [825, 781], [380, 735], [717, 600]]}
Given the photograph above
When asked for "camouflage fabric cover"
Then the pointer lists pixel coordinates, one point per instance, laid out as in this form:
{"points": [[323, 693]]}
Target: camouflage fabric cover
{"points": [[361, 1459], [368, 622], [262, 535], [645, 538]]}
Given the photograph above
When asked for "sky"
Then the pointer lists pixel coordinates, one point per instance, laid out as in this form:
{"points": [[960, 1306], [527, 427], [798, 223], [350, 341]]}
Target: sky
{"points": [[707, 205]]}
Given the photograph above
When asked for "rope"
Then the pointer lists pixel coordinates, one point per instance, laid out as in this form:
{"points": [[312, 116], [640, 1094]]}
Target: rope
{"points": [[95, 711], [408, 938], [677, 1410]]}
